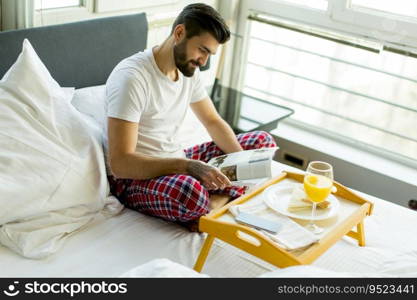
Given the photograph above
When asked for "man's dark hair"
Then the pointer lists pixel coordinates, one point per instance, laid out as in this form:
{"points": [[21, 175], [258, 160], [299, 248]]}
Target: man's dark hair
{"points": [[199, 18]]}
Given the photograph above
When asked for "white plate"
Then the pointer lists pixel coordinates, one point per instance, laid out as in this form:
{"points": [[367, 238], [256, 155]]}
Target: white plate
{"points": [[277, 198]]}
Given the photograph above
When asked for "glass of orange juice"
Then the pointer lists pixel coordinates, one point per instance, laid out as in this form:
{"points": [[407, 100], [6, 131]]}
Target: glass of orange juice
{"points": [[318, 182]]}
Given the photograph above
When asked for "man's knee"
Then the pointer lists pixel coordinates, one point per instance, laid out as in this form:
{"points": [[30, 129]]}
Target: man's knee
{"points": [[193, 199], [267, 139], [261, 139]]}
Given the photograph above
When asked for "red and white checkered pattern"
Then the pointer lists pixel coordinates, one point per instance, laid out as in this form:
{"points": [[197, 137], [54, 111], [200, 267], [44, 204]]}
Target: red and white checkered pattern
{"points": [[181, 197]]}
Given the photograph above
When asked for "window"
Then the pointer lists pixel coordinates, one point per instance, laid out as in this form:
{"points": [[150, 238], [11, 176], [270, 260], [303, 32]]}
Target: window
{"points": [[340, 84], [394, 23], [401, 7], [353, 92], [317, 4], [48, 4], [112, 5]]}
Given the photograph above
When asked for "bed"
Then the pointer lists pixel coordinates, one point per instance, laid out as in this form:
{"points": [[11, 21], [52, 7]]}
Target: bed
{"points": [[81, 55]]}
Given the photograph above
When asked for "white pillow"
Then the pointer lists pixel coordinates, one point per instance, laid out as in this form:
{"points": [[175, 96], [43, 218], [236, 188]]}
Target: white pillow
{"points": [[52, 172], [306, 271], [91, 101], [162, 267]]}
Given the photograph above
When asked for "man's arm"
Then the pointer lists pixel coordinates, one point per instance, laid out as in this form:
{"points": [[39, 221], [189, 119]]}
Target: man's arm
{"points": [[221, 133], [126, 163]]}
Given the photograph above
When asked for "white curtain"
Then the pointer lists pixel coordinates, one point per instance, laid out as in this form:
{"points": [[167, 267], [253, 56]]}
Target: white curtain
{"points": [[16, 14]]}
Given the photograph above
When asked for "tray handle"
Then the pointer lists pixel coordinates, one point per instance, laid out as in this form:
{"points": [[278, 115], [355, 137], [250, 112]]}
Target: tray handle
{"points": [[250, 241]]}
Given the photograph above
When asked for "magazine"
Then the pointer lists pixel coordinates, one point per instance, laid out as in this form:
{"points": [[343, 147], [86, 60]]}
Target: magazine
{"points": [[245, 165]]}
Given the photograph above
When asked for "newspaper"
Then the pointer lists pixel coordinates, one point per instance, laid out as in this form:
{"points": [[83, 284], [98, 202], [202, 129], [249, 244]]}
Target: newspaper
{"points": [[245, 165]]}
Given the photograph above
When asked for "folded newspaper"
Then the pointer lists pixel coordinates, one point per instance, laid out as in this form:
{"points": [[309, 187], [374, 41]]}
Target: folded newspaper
{"points": [[245, 165]]}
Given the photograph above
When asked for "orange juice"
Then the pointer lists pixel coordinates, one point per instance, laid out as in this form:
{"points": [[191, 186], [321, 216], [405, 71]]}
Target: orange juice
{"points": [[317, 187]]}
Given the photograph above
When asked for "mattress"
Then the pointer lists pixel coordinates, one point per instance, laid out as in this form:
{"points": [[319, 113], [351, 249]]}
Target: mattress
{"points": [[110, 248]]}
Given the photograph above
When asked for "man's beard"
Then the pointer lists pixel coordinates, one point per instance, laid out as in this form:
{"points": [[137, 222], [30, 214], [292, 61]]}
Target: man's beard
{"points": [[180, 58]]}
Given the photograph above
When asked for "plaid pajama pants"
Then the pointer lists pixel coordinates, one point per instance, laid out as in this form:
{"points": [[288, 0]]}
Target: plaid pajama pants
{"points": [[180, 197]]}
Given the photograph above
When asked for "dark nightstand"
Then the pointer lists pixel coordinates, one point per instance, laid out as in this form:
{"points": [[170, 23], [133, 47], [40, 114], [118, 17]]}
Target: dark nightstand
{"points": [[247, 113]]}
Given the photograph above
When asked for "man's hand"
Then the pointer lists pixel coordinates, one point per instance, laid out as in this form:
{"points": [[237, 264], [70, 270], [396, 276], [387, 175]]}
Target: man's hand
{"points": [[209, 176]]}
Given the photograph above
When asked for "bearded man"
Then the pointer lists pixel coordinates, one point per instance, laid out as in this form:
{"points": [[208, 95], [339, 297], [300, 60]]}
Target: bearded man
{"points": [[148, 95]]}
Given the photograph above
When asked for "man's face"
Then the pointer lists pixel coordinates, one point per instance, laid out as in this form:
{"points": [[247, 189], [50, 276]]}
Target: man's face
{"points": [[194, 52]]}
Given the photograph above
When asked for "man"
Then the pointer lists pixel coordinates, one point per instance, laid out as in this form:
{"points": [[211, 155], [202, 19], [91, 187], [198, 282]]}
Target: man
{"points": [[148, 96]]}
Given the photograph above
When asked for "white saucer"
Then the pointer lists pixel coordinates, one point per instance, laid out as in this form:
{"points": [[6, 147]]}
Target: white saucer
{"points": [[277, 198]]}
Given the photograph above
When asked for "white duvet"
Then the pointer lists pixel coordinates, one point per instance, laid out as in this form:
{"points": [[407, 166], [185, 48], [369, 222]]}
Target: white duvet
{"points": [[52, 172], [163, 267]]}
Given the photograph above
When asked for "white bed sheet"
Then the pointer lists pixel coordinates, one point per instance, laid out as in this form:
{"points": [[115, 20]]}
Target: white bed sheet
{"points": [[112, 247]]}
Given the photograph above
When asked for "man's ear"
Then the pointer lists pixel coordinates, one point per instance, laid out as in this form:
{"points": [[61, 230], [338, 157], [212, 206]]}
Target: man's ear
{"points": [[179, 33]]}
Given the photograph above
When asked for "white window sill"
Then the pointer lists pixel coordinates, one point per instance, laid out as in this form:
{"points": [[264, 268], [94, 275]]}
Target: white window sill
{"points": [[350, 155]]}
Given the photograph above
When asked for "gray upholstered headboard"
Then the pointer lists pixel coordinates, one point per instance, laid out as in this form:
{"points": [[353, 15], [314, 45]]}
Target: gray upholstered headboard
{"points": [[79, 54]]}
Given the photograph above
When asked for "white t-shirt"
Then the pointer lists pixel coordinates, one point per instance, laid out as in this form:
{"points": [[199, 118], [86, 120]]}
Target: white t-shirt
{"points": [[137, 91]]}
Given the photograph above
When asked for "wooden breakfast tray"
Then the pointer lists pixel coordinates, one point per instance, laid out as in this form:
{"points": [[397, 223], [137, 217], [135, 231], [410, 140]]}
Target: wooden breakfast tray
{"points": [[216, 225]]}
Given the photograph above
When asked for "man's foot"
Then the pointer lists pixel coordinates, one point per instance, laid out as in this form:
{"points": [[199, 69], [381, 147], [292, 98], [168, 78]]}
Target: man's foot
{"points": [[193, 226], [190, 225], [217, 201]]}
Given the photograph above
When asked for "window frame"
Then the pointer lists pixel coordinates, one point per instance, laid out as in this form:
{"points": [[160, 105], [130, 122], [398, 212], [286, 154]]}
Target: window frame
{"points": [[365, 18], [49, 16], [363, 23], [106, 6], [82, 3]]}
